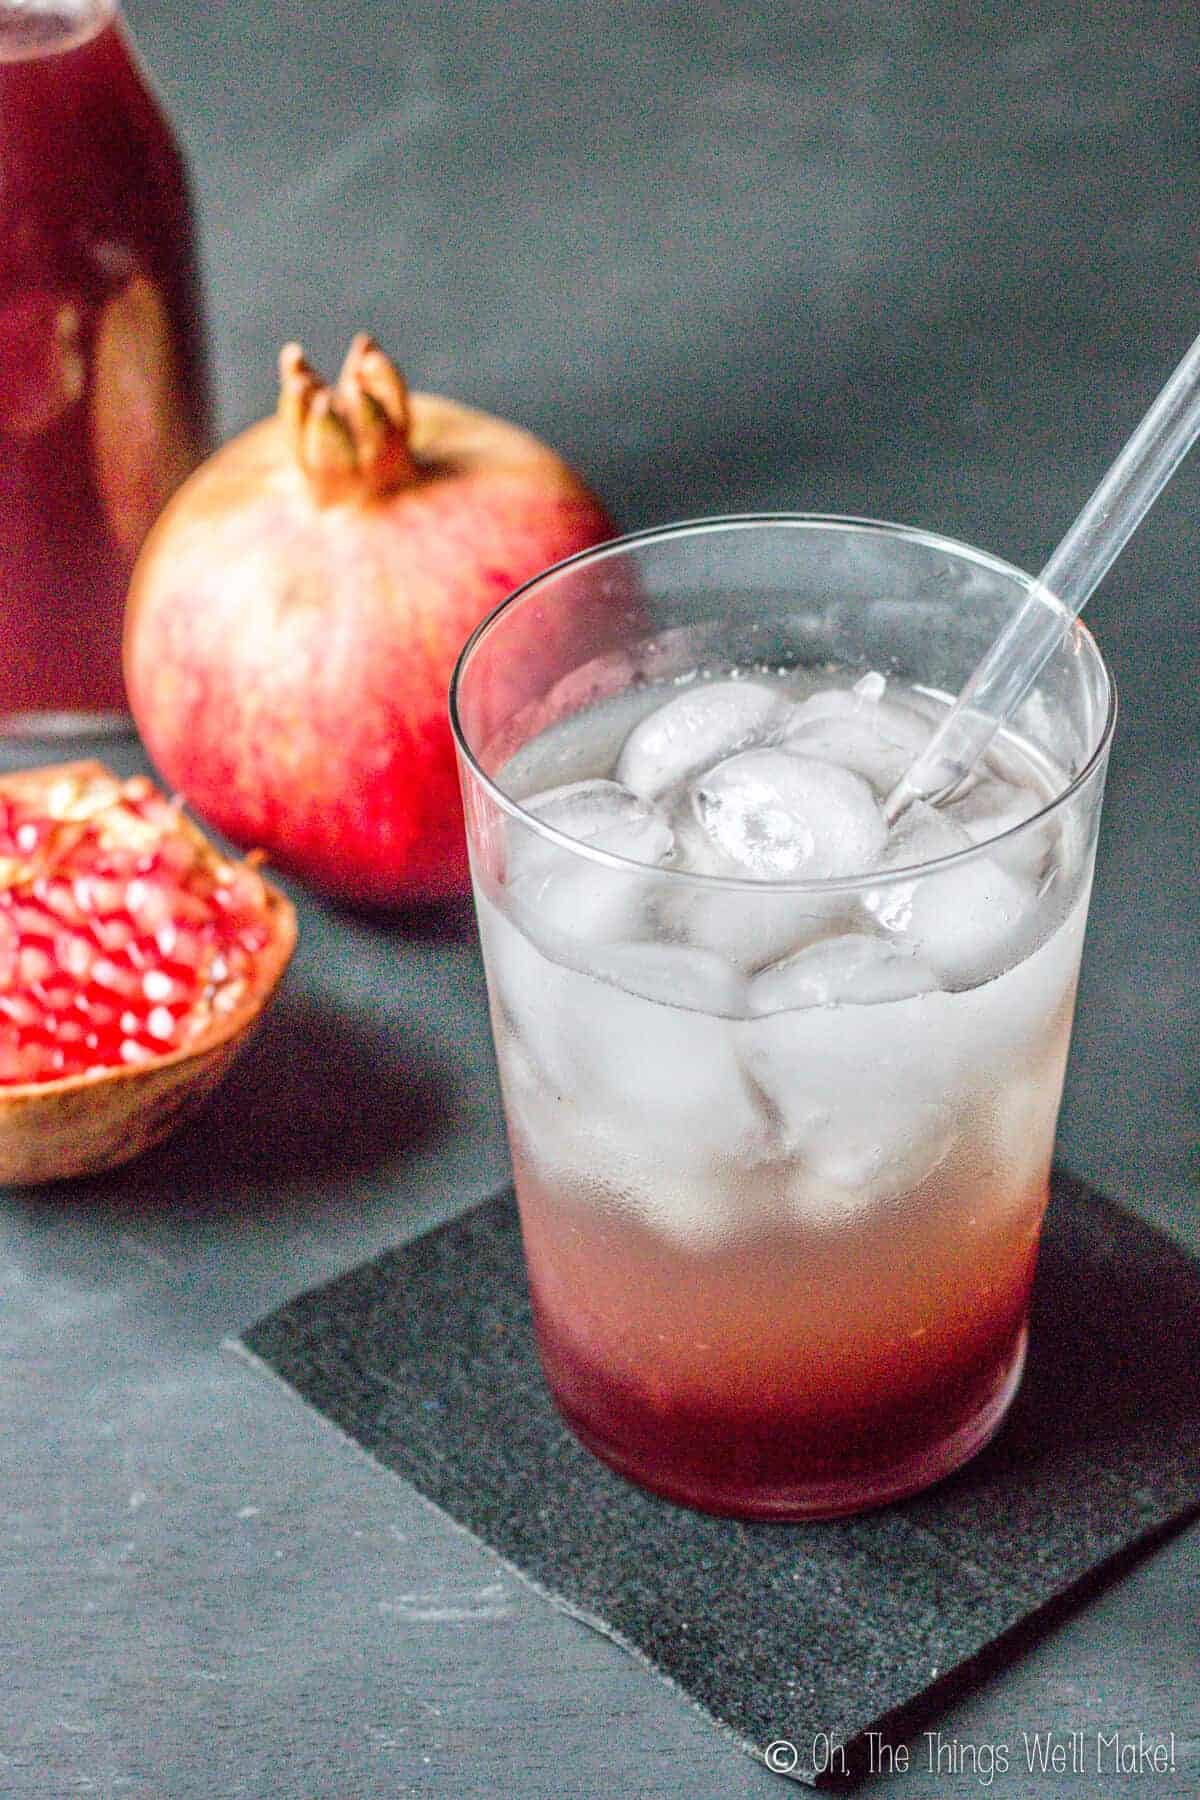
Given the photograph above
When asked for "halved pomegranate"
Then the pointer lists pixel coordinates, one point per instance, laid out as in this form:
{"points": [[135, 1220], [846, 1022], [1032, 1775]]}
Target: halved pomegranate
{"points": [[134, 961]]}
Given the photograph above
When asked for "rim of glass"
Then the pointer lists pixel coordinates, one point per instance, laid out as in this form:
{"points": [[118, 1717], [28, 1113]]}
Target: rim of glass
{"points": [[869, 878]]}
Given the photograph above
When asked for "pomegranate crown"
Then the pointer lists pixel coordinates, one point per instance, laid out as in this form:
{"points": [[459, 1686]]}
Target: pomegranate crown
{"points": [[351, 440]]}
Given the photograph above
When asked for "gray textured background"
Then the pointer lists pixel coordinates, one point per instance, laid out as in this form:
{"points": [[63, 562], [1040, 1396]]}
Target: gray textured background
{"points": [[857, 256]]}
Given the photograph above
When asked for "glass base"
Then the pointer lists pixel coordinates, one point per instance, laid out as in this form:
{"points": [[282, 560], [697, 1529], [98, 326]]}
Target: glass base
{"points": [[32, 726], [860, 1491]]}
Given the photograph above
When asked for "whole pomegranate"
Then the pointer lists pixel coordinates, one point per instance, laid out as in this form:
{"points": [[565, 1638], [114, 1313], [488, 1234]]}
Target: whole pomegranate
{"points": [[295, 615]]}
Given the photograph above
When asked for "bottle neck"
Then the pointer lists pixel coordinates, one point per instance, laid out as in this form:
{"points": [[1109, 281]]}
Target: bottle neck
{"points": [[30, 28]]}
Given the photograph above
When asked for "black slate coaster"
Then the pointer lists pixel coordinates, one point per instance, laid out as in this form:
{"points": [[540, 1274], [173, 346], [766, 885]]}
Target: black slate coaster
{"points": [[805, 1633]]}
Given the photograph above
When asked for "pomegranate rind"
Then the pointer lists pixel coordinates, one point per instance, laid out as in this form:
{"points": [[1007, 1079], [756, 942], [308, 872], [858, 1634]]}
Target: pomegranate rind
{"points": [[83, 1124]]}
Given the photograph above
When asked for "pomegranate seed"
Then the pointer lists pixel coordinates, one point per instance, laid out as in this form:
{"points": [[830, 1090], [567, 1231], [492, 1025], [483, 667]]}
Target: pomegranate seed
{"points": [[115, 932], [106, 974], [121, 931], [35, 961], [158, 985], [160, 1024]]}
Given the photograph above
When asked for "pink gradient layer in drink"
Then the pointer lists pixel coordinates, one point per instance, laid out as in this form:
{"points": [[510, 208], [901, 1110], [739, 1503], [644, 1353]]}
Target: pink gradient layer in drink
{"points": [[794, 1372]]}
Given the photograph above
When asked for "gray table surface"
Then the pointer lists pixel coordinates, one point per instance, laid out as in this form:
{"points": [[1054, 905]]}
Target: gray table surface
{"points": [[870, 258]]}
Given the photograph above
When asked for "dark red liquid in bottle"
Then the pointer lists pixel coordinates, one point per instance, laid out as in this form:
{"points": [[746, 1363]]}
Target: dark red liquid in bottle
{"points": [[104, 401]]}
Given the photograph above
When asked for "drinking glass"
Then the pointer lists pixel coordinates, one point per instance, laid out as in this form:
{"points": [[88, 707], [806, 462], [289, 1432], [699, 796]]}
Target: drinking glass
{"points": [[779, 1252]]}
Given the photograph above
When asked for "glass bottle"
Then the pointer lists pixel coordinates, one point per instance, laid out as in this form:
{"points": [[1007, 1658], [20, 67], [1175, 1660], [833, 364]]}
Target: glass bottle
{"points": [[104, 393]]}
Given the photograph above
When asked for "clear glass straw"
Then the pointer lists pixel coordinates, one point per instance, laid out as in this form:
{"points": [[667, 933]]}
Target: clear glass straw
{"points": [[1009, 669]]}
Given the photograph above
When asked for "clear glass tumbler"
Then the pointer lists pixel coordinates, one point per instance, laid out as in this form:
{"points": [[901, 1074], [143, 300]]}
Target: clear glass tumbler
{"points": [[780, 1238]]}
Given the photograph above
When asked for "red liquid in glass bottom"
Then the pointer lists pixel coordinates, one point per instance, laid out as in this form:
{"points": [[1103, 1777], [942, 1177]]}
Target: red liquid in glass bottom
{"points": [[103, 393], [800, 1373]]}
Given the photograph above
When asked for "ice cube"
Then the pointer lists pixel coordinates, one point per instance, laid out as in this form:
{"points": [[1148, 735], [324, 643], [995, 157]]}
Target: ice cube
{"points": [[1018, 1130], [820, 1204], [570, 906], [870, 1159], [529, 993], [562, 898], [748, 927], [580, 1151], [991, 808], [968, 920], [922, 834], [665, 1078], [668, 1077], [863, 1095], [695, 1205], [697, 728], [851, 969], [528, 1097], [882, 1094], [857, 729], [698, 1210], [778, 816], [674, 975], [602, 814]]}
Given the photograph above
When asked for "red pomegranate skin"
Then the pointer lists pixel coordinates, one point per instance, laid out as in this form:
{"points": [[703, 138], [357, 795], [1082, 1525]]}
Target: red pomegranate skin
{"points": [[287, 662]]}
